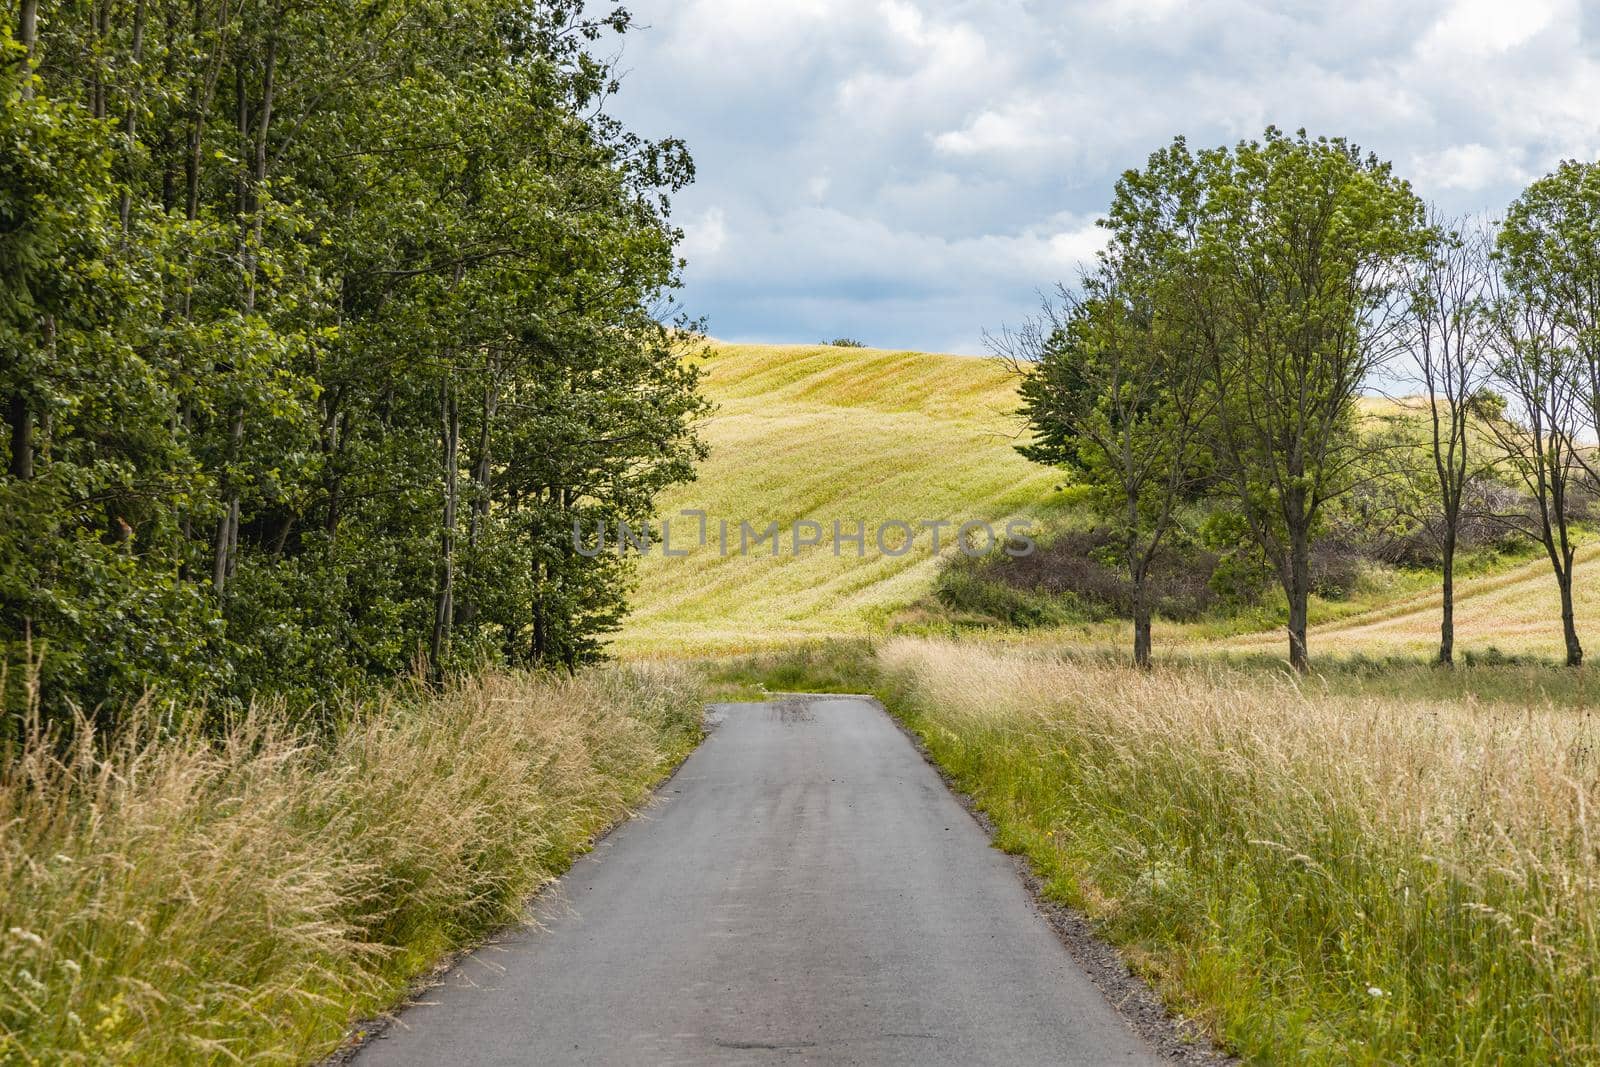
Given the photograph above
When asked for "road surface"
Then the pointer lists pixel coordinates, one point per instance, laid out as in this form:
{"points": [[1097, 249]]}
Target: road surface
{"points": [[808, 891]]}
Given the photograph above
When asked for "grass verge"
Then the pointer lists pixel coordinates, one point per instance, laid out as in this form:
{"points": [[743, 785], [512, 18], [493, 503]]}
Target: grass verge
{"points": [[1325, 873], [184, 899]]}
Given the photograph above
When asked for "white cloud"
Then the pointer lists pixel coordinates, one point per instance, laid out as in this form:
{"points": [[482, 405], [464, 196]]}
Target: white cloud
{"points": [[1071, 248], [1019, 125], [1485, 27], [912, 171], [704, 238], [1468, 167]]}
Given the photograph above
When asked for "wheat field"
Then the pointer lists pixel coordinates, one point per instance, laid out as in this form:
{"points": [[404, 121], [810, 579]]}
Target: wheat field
{"points": [[846, 434], [852, 434]]}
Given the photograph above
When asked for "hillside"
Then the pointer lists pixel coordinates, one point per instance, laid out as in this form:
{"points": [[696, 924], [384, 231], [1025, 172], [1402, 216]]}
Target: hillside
{"points": [[829, 434], [874, 435]]}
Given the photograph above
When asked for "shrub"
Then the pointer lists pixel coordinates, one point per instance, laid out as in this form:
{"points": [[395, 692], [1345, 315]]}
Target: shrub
{"points": [[1076, 575]]}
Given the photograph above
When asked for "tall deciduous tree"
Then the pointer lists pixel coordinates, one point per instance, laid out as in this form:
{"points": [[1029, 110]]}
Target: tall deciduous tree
{"points": [[1449, 347], [321, 321], [1549, 247], [1295, 286]]}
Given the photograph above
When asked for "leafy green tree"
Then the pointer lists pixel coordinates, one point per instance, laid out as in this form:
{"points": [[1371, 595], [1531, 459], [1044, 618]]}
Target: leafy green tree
{"points": [[1289, 253], [1538, 430], [1550, 248], [1114, 392], [1549, 355], [321, 322]]}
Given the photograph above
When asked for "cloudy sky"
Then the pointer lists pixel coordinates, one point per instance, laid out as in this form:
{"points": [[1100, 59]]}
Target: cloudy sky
{"points": [[913, 172]]}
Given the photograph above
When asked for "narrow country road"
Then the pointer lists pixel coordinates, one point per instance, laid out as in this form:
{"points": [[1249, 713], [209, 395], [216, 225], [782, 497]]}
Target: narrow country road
{"points": [[808, 891]]}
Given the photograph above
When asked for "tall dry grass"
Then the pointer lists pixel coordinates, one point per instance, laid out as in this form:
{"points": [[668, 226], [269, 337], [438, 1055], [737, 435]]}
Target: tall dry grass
{"points": [[182, 899], [1328, 878]]}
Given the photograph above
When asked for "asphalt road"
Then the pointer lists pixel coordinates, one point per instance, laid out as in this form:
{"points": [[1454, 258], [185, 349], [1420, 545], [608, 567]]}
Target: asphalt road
{"points": [[807, 891]]}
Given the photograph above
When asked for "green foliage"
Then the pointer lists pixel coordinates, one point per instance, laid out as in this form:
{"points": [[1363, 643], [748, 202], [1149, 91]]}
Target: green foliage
{"points": [[1550, 244], [845, 342], [1114, 392], [965, 585], [322, 324], [1246, 296]]}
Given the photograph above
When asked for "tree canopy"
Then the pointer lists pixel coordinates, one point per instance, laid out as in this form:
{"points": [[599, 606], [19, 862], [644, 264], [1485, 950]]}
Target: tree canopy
{"points": [[321, 323]]}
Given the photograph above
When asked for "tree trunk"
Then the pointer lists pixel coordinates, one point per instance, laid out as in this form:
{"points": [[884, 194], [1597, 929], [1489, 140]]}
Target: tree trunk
{"points": [[130, 120], [227, 538], [27, 37], [1141, 627], [21, 419], [482, 470], [541, 635], [482, 487], [1298, 589], [444, 608], [1447, 618], [1569, 626], [18, 413], [1139, 573]]}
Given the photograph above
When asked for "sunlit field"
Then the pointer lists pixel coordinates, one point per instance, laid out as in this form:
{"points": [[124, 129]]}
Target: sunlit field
{"points": [[830, 434], [866, 434]]}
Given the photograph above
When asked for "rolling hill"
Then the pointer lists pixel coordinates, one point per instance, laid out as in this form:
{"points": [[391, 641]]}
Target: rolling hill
{"points": [[872, 435], [829, 434]]}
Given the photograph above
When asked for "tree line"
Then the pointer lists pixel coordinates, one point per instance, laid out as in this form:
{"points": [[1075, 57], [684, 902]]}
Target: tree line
{"points": [[1250, 296], [320, 324]]}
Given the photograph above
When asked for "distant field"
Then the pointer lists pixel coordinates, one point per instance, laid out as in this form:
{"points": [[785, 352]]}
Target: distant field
{"points": [[830, 433], [867, 434]]}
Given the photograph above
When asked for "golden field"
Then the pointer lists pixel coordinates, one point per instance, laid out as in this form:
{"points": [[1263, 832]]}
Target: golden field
{"points": [[829, 434], [804, 431]]}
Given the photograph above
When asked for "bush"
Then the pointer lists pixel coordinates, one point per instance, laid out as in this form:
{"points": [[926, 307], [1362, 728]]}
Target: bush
{"points": [[1076, 575], [965, 587]]}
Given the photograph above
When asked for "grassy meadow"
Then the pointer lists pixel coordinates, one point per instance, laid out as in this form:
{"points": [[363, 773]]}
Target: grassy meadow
{"points": [[829, 434], [170, 898]]}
